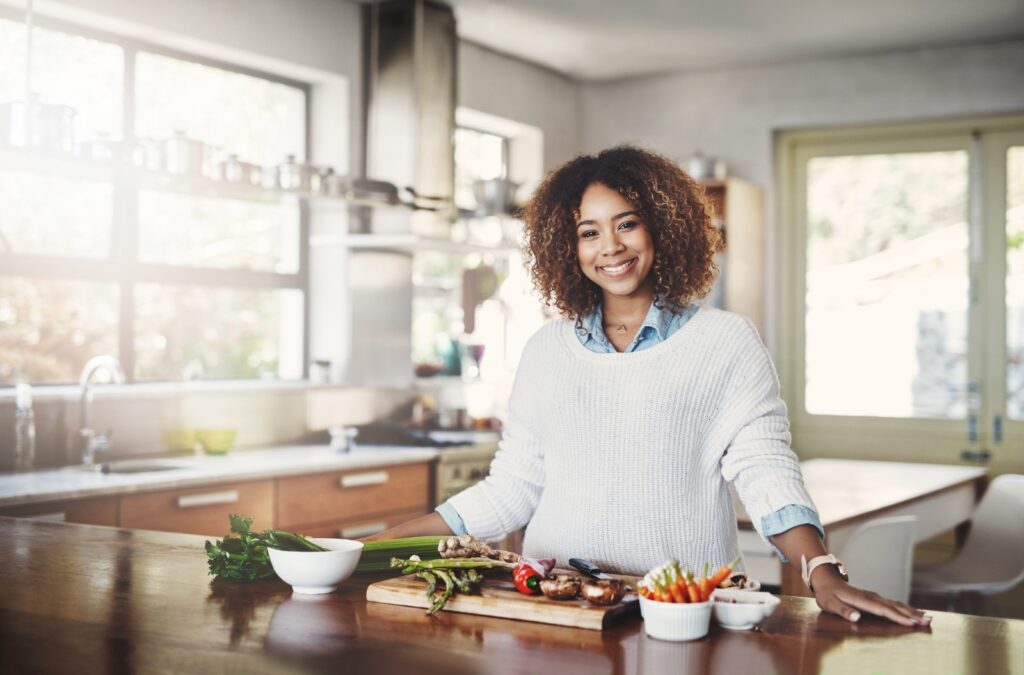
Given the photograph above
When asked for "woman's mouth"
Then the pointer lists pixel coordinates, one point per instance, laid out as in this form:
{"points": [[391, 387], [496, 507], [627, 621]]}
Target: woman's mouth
{"points": [[619, 269]]}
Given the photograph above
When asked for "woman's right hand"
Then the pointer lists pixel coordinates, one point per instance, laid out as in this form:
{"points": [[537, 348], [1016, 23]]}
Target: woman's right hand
{"points": [[427, 524]]}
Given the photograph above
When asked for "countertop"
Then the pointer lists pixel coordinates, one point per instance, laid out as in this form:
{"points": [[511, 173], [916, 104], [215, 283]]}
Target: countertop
{"points": [[88, 599], [74, 483]]}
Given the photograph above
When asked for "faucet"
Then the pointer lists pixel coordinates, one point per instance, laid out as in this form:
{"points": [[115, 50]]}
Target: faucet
{"points": [[92, 442]]}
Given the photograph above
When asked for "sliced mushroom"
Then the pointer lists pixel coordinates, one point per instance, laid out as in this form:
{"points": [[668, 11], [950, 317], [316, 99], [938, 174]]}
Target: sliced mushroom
{"points": [[603, 591], [561, 587]]}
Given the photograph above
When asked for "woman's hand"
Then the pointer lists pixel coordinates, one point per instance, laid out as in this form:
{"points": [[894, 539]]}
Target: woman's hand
{"points": [[833, 594]]}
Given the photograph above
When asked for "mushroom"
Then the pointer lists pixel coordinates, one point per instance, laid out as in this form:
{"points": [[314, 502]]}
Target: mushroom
{"points": [[560, 587], [603, 591]]}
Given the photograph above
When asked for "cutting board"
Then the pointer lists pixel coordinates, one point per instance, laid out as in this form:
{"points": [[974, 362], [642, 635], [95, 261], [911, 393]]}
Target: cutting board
{"points": [[499, 597]]}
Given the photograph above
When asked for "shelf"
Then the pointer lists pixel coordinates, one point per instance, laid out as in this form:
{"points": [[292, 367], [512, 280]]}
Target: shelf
{"points": [[410, 242], [57, 164]]}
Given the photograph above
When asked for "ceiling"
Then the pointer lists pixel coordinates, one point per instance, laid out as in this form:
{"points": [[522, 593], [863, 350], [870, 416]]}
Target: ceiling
{"points": [[609, 39]]}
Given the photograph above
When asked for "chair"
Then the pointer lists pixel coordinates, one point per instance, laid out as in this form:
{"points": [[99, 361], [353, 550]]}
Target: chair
{"points": [[879, 555], [991, 561]]}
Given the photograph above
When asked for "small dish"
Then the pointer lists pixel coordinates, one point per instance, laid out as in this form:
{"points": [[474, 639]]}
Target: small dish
{"points": [[317, 572], [741, 609], [216, 441], [676, 622]]}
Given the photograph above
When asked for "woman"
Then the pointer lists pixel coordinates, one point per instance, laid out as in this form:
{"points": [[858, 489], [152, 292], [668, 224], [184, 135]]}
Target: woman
{"points": [[631, 414]]}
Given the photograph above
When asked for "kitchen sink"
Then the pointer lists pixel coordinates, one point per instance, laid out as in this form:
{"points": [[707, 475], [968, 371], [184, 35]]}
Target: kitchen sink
{"points": [[135, 466]]}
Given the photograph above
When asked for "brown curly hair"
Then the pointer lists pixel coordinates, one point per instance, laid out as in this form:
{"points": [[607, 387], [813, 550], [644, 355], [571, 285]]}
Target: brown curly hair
{"points": [[671, 204]]}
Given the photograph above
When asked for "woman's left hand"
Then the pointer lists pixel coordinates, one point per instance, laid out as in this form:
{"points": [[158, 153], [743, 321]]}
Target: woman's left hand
{"points": [[837, 596]]}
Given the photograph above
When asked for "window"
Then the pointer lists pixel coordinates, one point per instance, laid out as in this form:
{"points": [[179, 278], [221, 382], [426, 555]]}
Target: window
{"points": [[902, 260], [169, 273]]}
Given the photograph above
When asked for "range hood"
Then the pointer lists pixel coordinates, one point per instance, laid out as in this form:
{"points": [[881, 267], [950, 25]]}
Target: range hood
{"points": [[409, 93]]}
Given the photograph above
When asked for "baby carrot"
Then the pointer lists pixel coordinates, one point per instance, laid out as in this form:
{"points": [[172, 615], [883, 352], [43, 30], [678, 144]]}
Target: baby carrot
{"points": [[704, 585], [692, 589], [724, 571]]}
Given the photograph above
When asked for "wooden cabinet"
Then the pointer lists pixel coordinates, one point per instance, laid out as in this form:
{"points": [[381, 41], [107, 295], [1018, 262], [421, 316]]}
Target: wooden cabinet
{"points": [[738, 206], [201, 510], [340, 497], [91, 511], [359, 527]]}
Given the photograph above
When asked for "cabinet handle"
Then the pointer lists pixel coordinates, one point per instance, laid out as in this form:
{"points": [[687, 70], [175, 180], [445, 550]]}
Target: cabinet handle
{"points": [[208, 499], [364, 530], [55, 517], [361, 479]]}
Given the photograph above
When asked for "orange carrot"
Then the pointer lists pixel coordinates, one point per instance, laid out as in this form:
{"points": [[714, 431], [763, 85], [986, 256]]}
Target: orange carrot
{"points": [[692, 589], [704, 585], [646, 592], [723, 572]]}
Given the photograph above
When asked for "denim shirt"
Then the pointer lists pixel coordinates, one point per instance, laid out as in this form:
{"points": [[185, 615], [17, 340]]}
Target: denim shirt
{"points": [[658, 326]]}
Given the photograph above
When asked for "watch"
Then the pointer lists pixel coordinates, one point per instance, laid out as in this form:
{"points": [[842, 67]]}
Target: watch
{"points": [[808, 566]]}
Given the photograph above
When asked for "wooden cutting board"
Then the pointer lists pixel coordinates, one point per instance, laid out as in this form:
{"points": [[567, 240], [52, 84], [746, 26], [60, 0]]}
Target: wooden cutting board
{"points": [[499, 597]]}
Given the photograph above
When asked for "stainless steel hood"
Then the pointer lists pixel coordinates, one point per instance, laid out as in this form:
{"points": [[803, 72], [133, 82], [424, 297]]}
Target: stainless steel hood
{"points": [[409, 94]]}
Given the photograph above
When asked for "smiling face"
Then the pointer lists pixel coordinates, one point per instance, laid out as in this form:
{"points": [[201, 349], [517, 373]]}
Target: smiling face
{"points": [[613, 245]]}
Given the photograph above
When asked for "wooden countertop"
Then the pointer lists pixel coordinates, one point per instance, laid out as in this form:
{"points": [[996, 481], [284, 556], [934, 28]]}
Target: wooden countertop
{"points": [[74, 483], [90, 599]]}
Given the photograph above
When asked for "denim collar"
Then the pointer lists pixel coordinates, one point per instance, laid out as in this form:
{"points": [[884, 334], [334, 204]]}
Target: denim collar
{"points": [[590, 328]]}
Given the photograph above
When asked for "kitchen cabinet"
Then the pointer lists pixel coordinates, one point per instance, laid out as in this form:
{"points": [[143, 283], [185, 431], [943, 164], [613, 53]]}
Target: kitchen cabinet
{"points": [[346, 497], [201, 510], [92, 511], [738, 209], [361, 526]]}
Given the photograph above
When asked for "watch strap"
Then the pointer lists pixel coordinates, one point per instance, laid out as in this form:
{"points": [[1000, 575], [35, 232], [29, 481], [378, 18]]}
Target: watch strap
{"points": [[808, 566]]}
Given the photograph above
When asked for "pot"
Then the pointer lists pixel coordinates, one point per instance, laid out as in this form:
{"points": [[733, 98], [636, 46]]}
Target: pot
{"points": [[292, 175], [184, 156], [38, 125], [495, 196]]}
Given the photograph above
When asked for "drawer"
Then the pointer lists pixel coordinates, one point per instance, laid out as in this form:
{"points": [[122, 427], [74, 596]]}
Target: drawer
{"points": [[357, 528], [200, 510], [345, 495], [96, 511]]}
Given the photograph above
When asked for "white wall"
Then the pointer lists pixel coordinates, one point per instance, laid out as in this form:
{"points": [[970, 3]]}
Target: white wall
{"points": [[733, 113], [507, 87]]}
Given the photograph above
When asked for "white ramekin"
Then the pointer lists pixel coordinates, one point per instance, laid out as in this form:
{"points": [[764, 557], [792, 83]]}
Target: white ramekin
{"points": [[675, 621]]}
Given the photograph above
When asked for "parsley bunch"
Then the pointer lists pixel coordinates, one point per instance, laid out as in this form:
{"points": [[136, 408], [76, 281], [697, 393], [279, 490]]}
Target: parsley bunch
{"points": [[244, 557]]}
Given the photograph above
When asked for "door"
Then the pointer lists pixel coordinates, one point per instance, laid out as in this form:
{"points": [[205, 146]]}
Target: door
{"points": [[902, 288]]}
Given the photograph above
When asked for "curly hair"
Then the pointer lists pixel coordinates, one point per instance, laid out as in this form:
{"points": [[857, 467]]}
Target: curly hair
{"points": [[671, 204]]}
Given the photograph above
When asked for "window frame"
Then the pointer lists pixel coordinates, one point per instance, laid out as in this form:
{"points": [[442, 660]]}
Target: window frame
{"points": [[905, 439], [122, 264]]}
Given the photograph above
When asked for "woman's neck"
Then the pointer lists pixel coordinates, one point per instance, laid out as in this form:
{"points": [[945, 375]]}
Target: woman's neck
{"points": [[629, 311]]}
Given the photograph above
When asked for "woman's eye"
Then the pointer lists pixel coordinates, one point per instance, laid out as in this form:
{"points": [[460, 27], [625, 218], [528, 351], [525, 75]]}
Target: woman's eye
{"points": [[629, 224], [589, 234]]}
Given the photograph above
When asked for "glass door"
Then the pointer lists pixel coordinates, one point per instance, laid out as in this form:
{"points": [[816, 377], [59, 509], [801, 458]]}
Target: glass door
{"points": [[902, 308]]}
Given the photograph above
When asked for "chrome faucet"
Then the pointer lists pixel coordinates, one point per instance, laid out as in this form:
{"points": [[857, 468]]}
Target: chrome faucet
{"points": [[92, 442]]}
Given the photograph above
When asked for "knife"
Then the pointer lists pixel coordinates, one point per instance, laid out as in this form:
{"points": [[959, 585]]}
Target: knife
{"points": [[588, 568]]}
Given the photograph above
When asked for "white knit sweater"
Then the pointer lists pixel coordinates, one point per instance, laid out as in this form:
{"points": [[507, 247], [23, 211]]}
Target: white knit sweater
{"points": [[624, 458]]}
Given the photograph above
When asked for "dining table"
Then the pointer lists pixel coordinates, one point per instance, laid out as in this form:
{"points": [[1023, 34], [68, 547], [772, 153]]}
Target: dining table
{"points": [[87, 599], [849, 493]]}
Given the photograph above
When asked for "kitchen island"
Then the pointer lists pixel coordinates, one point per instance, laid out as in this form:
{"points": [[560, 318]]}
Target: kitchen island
{"points": [[88, 599]]}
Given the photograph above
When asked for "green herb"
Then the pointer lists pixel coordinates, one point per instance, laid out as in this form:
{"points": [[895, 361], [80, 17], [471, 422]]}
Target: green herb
{"points": [[377, 555], [244, 557]]}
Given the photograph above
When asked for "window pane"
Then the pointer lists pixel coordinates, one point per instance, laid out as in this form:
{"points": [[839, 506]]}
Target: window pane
{"points": [[887, 285], [225, 333], [49, 329], [83, 73], [178, 229], [32, 220], [1015, 283], [259, 120], [478, 156]]}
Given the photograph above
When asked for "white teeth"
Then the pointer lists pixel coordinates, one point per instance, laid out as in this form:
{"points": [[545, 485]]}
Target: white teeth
{"points": [[618, 268]]}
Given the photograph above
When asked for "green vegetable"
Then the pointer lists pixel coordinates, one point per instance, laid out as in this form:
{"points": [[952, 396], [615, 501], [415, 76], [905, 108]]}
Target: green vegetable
{"points": [[245, 557], [457, 574], [377, 555]]}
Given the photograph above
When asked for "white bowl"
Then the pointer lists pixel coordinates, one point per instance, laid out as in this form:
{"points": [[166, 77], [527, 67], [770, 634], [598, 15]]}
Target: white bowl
{"points": [[675, 621], [315, 572], [742, 609]]}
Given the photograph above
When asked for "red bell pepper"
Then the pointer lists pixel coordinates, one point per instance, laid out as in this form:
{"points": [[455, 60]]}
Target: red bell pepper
{"points": [[528, 574]]}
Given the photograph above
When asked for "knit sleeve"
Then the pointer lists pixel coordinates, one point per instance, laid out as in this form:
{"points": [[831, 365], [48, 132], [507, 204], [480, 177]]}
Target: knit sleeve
{"points": [[506, 500], [758, 460]]}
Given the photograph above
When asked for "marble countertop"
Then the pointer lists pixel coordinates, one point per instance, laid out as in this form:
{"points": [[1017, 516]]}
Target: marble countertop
{"points": [[74, 482]]}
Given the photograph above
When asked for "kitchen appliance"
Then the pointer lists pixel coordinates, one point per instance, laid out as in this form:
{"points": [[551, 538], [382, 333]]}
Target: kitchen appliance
{"points": [[495, 196]]}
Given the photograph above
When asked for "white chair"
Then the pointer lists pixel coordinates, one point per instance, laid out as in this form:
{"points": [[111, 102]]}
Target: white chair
{"points": [[992, 559], [880, 554]]}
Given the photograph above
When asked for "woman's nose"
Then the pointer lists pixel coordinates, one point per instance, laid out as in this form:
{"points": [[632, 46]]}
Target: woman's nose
{"points": [[612, 245]]}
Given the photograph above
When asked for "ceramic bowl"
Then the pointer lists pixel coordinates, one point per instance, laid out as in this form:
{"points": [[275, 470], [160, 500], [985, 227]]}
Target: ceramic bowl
{"points": [[216, 441], [675, 621], [742, 609], [316, 572]]}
